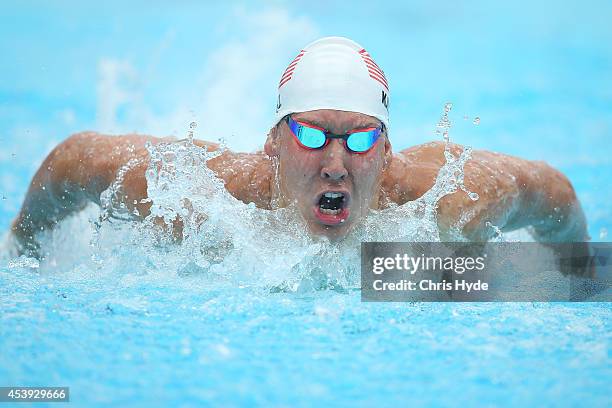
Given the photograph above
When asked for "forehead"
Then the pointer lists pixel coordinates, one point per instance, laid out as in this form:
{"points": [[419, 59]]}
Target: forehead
{"points": [[337, 121]]}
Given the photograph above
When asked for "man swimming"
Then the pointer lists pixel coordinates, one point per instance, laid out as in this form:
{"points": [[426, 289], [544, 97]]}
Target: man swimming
{"points": [[331, 143]]}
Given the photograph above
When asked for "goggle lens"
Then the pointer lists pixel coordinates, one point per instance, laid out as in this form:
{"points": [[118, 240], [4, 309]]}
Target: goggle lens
{"points": [[310, 137], [314, 138], [362, 141]]}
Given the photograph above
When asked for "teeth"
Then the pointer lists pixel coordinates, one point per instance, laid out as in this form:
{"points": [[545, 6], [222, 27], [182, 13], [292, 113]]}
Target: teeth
{"points": [[333, 195], [330, 212]]}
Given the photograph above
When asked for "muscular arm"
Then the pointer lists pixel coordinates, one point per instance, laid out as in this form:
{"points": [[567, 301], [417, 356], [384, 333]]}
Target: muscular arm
{"points": [[513, 193], [76, 172], [79, 169]]}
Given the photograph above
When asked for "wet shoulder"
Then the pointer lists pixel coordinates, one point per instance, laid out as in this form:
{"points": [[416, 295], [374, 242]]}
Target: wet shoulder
{"points": [[246, 176], [413, 171]]}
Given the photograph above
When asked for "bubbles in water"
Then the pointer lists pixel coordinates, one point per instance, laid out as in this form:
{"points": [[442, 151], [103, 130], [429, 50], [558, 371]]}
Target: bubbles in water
{"points": [[603, 233], [476, 121], [473, 196]]}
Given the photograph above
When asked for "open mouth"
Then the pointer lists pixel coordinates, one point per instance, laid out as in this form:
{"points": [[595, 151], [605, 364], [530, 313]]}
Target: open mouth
{"points": [[332, 207]]}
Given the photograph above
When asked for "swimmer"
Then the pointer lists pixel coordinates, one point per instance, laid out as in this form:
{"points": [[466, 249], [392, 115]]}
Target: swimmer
{"points": [[331, 140]]}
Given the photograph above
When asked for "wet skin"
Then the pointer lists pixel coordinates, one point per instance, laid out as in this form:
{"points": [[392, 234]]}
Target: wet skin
{"points": [[525, 193]]}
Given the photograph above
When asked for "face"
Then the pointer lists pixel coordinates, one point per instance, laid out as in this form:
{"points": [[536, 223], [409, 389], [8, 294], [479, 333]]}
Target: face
{"points": [[332, 187]]}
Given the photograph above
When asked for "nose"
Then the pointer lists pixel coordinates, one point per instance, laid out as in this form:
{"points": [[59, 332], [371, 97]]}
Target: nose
{"points": [[333, 168]]}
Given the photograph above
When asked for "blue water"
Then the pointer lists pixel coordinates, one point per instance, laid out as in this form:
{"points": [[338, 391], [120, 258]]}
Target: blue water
{"points": [[150, 344], [150, 329]]}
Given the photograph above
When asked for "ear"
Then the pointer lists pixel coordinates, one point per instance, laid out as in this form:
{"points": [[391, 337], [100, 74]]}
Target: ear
{"points": [[388, 153], [271, 147]]}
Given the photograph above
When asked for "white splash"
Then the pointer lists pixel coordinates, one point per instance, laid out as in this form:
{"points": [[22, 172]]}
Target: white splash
{"points": [[225, 241]]}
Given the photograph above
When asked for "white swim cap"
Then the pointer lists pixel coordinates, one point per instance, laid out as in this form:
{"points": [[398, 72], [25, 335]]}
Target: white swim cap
{"points": [[334, 73]]}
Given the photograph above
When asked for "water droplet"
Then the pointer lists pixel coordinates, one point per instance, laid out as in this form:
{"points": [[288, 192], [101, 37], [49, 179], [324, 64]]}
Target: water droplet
{"points": [[476, 121], [603, 233], [473, 196]]}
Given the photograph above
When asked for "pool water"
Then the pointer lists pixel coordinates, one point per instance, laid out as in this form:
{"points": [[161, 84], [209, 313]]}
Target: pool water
{"points": [[124, 341]]}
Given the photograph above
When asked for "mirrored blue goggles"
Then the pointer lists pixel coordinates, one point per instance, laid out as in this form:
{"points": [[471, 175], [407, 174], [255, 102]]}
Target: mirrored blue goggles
{"points": [[313, 137]]}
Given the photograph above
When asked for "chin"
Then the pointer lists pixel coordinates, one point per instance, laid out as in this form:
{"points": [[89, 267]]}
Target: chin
{"points": [[333, 232]]}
